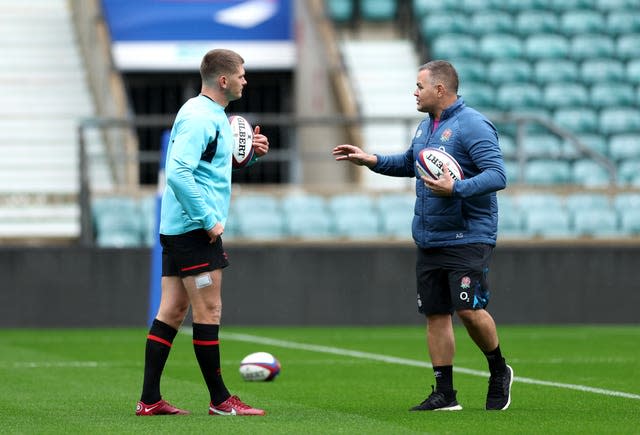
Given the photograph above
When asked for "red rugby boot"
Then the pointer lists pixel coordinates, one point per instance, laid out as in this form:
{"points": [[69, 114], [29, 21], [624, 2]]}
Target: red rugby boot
{"points": [[234, 406], [159, 408]]}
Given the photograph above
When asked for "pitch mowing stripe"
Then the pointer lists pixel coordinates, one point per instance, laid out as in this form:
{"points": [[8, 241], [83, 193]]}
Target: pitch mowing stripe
{"points": [[410, 362]]}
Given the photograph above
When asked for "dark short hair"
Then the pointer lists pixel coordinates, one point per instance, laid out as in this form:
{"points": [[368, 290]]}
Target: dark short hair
{"points": [[442, 71], [219, 62]]}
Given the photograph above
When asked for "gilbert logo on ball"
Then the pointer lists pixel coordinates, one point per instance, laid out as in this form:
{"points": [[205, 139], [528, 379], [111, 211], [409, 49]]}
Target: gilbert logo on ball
{"points": [[430, 163], [242, 141], [259, 366]]}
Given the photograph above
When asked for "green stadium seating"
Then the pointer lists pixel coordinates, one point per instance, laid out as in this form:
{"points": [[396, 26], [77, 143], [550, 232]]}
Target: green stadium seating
{"points": [[614, 120], [627, 200], [473, 6], [509, 70], [421, 8], [577, 120], [255, 203], [630, 221], [548, 201], [555, 70], [291, 203], [628, 46], [518, 95], [531, 22], [402, 202], [396, 224], [612, 94], [340, 11], [117, 222], [378, 10], [596, 142], [490, 21], [578, 21], [508, 147], [512, 169], [348, 202], [541, 46], [541, 145], [451, 46], [266, 225], [558, 95], [624, 146], [621, 22], [547, 172], [628, 170], [470, 70], [633, 71], [589, 46], [477, 94], [616, 5], [588, 173], [308, 224], [357, 224], [500, 46], [541, 223], [601, 70], [577, 202], [567, 5], [434, 24], [515, 6], [596, 223]]}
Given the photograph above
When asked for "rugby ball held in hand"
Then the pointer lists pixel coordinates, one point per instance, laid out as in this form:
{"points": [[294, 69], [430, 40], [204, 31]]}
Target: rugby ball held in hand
{"points": [[242, 141], [430, 163], [259, 366]]}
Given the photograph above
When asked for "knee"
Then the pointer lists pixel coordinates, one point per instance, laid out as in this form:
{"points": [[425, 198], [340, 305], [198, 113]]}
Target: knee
{"points": [[174, 314], [209, 313], [468, 317]]}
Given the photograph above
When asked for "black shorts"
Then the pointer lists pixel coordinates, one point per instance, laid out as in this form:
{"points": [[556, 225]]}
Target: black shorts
{"points": [[453, 278], [191, 254]]}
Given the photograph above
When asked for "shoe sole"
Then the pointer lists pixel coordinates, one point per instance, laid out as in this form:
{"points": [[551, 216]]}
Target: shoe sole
{"points": [[450, 408]]}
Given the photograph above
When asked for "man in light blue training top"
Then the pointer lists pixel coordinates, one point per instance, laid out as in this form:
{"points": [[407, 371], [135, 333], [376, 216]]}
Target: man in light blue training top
{"points": [[193, 215], [455, 227]]}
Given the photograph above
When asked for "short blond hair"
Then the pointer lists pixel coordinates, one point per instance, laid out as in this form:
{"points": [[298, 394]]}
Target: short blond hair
{"points": [[219, 62]]}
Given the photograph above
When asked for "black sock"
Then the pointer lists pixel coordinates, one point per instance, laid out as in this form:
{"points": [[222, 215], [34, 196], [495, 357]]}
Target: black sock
{"points": [[207, 348], [159, 343], [444, 378], [496, 362]]}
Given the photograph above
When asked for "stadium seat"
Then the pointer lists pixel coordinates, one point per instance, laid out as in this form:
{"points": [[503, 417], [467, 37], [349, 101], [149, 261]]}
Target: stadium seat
{"points": [[614, 120], [357, 224], [477, 94], [473, 7], [581, 21], [303, 201], [548, 201], [612, 94], [500, 46], [624, 146], [506, 202], [555, 70], [589, 46], [621, 22], [577, 120], [547, 172], [423, 7], [633, 71], [596, 223], [512, 169], [541, 145], [401, 202], [626, 200], [594, 71], [255, 203], [378, 10], [266, 225], [309, 224], [435, 24], [452, 45], [541, 223], [518, 95], [568, 5], [396, 224], [349, 202], [595, 142], [577, 202], [117, 222], [470, 70], [340, 11], [588, 173], [510, 223], [546, 46], [508, 147], [490, 21], [628, 170], [531, 22], [558, 95], [615, 5], [534, 117], [630, 221], [508, 71], [515, 6], [628, 46]]}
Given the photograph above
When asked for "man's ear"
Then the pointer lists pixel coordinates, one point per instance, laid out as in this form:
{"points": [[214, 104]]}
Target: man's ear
{"points": [[222, 82]]}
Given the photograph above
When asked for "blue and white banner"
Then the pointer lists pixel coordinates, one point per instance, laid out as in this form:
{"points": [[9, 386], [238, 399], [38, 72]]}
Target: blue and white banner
{"points": [[175, 34]]}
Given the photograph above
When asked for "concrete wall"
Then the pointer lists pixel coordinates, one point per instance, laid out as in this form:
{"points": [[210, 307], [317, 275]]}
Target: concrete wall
{"points": [[317, 285]]}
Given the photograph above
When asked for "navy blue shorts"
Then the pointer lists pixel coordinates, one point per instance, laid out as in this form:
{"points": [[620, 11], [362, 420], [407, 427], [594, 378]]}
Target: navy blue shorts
{"points": [[191, 254], [453, 278]]}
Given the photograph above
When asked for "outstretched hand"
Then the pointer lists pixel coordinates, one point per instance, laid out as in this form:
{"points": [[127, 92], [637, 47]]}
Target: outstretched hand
{"points": [[260, 142], [354, 155]]}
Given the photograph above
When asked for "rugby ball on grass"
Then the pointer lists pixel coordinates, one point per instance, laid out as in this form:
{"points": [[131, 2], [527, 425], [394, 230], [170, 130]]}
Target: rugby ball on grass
{"points": [[430, 163], [242, 141], [259, 366]]}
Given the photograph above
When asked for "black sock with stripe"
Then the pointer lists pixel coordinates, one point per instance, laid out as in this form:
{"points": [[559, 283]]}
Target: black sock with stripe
{"points": [[207, 349], [444, 378], [159, 342]]}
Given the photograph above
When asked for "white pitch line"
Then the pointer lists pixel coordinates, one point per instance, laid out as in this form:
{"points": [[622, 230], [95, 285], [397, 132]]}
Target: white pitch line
{"points": [[410, 362]]}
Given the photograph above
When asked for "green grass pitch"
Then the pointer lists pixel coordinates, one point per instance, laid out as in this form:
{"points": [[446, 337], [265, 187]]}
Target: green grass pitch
{"points": [[347, 380]]}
